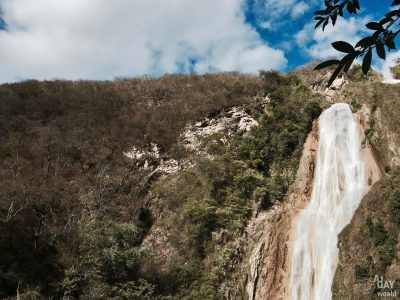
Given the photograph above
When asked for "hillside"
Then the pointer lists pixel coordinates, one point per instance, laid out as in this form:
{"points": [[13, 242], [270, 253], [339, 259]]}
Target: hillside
{"points": [[90, 171], [369, 245], [180, 187]]}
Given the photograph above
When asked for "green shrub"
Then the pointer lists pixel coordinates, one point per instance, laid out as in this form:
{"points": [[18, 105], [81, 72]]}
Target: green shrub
{"points": [[356, 74], [384, 240], [361, 273], [109, 261], [278, 141], [262, 196], [199, 219], [394, 205], [245, 183], [355, 105]]}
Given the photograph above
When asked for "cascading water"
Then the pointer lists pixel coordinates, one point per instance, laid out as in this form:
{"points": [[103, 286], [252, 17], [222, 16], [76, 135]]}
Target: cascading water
{"points": [[338, 187]]}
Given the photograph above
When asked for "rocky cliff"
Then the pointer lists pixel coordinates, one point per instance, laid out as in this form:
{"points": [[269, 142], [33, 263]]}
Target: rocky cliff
{"points": [[268, 233]]}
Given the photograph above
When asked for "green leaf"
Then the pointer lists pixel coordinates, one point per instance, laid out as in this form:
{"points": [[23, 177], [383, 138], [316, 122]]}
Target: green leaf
{"points": [[326, 64], [367, 62], [343, 46], [380, 50]]}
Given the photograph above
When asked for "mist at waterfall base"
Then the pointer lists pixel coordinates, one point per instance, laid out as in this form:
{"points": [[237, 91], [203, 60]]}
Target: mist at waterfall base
{"points": [[338, 187]]}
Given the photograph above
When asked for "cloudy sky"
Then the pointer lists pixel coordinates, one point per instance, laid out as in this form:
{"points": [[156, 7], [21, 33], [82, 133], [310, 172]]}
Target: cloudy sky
{"points": [[103, 39]]}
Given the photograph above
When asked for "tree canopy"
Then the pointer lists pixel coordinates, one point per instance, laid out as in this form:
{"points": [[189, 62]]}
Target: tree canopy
{"points": [[381, 40]]}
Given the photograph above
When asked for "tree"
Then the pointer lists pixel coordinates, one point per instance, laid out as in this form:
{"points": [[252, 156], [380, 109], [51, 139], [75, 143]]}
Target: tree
{"points": [[381, 39]]}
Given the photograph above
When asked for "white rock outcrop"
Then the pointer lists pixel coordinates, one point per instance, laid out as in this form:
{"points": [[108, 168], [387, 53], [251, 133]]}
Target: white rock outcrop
{"points": [[329, 92], [149, 159], [235, 120], [138, 154]]}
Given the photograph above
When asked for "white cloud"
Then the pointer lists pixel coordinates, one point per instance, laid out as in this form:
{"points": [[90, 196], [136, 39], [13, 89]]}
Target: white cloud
{"points": [[317, 43], [266, 25], [278, 12], [299, 9], [100, 39], [389, 62]]}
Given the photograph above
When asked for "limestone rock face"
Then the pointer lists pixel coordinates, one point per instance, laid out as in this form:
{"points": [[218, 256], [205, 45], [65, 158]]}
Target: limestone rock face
{"points": [[158, 165], [233, 121], [329, 92], [268, 234], [149, 159]]}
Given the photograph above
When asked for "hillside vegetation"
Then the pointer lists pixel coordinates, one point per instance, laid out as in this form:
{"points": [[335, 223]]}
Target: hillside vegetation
{"points": [[370, 244], [74, 211], [81, 219]]}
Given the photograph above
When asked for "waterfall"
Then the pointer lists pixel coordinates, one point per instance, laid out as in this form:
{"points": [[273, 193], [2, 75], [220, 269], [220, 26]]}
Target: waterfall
{"points": [[338, 187]]}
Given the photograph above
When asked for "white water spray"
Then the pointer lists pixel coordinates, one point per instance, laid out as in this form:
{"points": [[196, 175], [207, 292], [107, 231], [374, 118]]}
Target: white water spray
{"points": [[338, 187]]}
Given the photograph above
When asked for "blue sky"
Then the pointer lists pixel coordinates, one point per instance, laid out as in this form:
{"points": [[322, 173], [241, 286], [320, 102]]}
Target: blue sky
{"points": [[102, 39], [285, 33]]}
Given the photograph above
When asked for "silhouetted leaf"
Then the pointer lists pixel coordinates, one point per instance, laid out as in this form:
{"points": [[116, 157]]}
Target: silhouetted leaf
{"points": [[374, 26], [321, 12], [367, 62], [390, 43], [341, 9], [351, 8], [326, 64], [366, 42], [380, 50], [343, 46], [319, 22], [347, 61], [385, 20], [382, 38], [334, 18], [325, 23], [393, 13], [335, 75], [328, 4], [376, 35]]}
